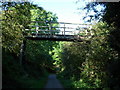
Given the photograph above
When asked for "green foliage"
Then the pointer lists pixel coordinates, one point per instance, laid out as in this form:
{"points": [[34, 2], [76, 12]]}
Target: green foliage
{"points": [[16, 18], [86, 63], [38, 52], [110, 14], [56, 55]]}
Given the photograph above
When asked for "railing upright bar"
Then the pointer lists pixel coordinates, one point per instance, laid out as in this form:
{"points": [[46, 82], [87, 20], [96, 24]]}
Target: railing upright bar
{"points": [[36, 31], [62, 32], [64, 29], [50, 29]]}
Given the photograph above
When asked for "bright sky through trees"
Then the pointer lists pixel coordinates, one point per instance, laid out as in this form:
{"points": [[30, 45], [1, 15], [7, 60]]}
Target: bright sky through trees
{"points": [[66, 10]]}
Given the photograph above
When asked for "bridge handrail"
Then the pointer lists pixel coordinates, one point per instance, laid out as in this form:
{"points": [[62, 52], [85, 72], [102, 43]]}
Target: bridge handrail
{"points": [[59, 22], [45, 30], [55, 27]]}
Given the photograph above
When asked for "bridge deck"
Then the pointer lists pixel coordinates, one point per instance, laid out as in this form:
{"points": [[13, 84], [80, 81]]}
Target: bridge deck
{"points": [[55, 38]]}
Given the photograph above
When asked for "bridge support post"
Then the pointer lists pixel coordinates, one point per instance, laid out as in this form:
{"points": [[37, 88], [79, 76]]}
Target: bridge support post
{"points": [[22, 55]]}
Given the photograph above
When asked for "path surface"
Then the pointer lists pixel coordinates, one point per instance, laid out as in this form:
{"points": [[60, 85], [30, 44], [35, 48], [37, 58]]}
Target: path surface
{"points": [[53, 82]]}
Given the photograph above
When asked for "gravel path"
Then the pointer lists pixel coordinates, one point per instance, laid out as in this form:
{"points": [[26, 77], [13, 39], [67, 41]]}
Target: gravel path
{"points": [[53, 82]]}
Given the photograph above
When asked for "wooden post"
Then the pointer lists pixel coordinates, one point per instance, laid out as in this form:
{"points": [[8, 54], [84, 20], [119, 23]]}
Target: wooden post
{"points": [[22, 54], [64, 30], [37, 28], [50, 31]]}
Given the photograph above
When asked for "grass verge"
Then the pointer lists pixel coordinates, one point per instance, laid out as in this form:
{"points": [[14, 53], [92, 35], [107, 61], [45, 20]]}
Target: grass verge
{"points": [[29, 82]]}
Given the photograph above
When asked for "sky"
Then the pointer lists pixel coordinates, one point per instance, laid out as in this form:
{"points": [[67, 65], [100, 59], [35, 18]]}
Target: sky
{"points": [[66, 10]]}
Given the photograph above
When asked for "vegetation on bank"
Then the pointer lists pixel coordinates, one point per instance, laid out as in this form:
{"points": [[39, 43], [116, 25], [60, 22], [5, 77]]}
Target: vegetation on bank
{"points": [[88, 64], [33, 69], [95, 64]]}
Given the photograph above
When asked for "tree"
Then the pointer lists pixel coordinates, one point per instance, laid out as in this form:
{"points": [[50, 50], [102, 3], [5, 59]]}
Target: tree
{"points": [[13, 25], [109, 14], [15, 18]]}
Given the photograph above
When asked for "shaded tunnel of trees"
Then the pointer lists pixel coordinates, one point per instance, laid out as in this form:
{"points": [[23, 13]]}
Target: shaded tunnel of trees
{"points": [[93, 64]]}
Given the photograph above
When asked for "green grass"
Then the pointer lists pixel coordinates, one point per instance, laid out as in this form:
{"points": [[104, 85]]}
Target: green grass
{"points": [[14, 77], [33, 82], [66, 83]]}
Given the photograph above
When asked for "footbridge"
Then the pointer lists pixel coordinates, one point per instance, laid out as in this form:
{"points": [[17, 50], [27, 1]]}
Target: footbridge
{"points": [[56, 31]]}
